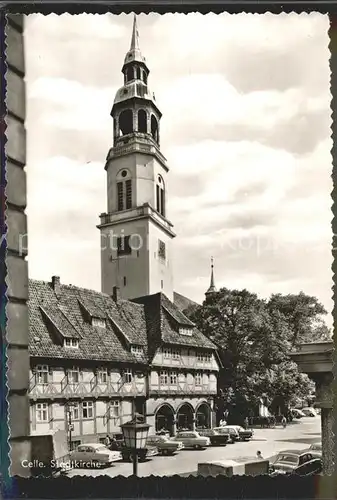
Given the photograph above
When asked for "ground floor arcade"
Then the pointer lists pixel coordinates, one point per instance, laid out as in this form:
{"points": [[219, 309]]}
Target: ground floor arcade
{"points": [[173, 415]]}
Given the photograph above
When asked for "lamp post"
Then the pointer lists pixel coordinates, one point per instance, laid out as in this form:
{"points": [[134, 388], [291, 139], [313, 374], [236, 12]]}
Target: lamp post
{"points": [[135, 433]]}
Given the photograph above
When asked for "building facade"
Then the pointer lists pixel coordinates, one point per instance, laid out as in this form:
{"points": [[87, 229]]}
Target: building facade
{"points": [[96, 359]]}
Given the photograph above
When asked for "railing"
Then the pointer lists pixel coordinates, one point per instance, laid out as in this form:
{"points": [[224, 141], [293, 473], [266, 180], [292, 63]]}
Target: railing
{"points": [[140, 145], [144, 210]]}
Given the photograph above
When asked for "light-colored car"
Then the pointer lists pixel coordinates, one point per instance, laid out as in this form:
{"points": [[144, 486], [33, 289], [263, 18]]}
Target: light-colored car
{"points": [[296, 413], [244, 434], [192, 439], [309, 412], [93, 455], [165, 445]]}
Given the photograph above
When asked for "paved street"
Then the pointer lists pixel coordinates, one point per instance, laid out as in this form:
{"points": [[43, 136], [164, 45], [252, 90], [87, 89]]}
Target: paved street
{"points": [[269, 441]]}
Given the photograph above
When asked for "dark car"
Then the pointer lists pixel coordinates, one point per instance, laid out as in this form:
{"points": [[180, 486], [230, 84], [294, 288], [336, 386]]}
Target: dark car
{"points": [[316, 449], [297, 462], [230, 431], [118, 444], [215, 437]]}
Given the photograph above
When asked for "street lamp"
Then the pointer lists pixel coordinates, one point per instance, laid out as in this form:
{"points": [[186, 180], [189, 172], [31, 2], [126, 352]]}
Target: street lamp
{"points": [[135, 433]]}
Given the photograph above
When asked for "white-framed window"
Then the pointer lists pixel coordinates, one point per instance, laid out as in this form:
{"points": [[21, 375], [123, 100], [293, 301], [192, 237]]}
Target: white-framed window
{"points": [[198, 378], [137, 349], [175, 354], [208, 357], [98, 322], [41, 410], [102, 376], [164, 377], [124, 193], [114, 409], [186, 331], [71, 343], [74, 409], [42, 374], [87, 409], [167, 353], [128, 376], [74, 375], [160, 196], [173, 378]]}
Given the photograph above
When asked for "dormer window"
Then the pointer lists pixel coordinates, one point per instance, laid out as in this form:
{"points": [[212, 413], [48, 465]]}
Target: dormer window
{"points": [[137, 349], [98, 322], [71, 343], [186, 331]]}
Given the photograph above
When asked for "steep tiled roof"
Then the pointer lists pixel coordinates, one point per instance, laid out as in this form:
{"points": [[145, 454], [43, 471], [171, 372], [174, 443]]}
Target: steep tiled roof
{"points": [[95, 343], [148, 321], [182, 302], [163, 321]]}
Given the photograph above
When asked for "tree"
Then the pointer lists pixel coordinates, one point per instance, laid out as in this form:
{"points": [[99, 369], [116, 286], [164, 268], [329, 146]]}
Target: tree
{"points": [[303, 314], [254, 337]]}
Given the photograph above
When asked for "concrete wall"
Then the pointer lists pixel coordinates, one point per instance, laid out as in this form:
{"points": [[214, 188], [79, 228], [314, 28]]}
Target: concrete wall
{"points": [[17, 270]]}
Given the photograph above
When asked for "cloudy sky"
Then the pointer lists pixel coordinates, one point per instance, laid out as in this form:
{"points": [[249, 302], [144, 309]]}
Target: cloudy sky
{"points": [[245, 129]]}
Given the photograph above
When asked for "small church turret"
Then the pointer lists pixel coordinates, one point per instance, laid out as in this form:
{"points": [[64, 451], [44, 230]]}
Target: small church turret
{"points": [[135, 232], [212, 289]]}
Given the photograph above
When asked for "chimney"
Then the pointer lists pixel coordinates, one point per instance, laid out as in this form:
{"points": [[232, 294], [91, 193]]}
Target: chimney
{"points": [[55, 283], [115, 293]]}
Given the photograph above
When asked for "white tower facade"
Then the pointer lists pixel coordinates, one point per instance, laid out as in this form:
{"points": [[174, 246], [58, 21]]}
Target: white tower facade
{"points": [[136, 235]]}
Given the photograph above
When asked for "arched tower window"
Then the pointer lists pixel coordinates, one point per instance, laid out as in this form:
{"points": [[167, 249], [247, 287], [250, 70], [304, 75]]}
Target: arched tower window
{"points": [[130, 74], [154, 128], [144, 77], [126, 122], [124, 190], [138, 73], [142, 121], [160, 196]]}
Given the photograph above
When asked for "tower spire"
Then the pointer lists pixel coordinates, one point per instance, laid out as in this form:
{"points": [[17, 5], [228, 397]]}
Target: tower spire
{"points": [[212, 287], [135, 35], [134, 54]]}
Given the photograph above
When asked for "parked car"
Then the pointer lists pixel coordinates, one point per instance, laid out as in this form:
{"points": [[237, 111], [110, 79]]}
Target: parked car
{"points": [[309, 412], [297, 413], [297, 462], [118, 444], [215, 437], [165, 445], [94, 454], [244, 434], [231, 431], [316, 449], [192, 439]]}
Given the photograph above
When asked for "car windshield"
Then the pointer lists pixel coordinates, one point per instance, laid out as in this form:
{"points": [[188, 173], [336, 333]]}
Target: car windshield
{"points": [[223, 431], [240, 429], [316, 446]]}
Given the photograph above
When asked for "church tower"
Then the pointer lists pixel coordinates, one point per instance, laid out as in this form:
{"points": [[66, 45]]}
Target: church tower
{"points": [[136, 236], [212, 289]]}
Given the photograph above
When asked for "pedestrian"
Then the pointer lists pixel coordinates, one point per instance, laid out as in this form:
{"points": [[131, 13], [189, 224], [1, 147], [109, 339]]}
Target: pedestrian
{"points": [[259, 455], [246, 423], [284, 422], [107, 441]]}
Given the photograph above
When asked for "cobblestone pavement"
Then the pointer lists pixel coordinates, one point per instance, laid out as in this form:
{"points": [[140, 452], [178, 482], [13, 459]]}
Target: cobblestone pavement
{"points": [[298, 435]]}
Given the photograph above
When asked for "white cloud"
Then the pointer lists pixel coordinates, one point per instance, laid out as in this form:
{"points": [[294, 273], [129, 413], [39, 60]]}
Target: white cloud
{"points": [[81, 107]]}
